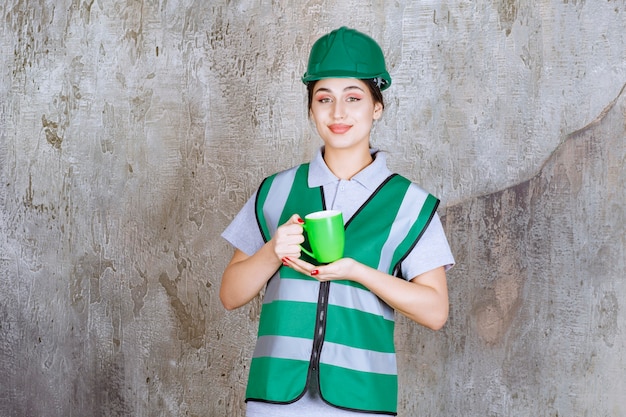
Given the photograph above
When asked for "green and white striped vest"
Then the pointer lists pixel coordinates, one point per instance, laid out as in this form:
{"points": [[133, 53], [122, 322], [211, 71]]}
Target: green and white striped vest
{"points": [[338, 332]]}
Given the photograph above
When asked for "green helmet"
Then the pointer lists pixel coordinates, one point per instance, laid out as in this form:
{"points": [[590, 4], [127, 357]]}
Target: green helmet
{"points": [[347, 53]]}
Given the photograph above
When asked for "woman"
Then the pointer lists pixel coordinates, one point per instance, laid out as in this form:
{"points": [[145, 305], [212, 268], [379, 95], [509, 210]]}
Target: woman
{"points": [[325, 343]]}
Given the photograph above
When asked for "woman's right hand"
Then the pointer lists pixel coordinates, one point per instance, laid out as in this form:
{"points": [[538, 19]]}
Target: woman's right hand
{"points": [[245, 275], [288, 238]]}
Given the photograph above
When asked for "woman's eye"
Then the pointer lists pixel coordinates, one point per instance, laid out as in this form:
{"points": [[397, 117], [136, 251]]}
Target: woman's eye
{"points": [[353, 99], [324, 100]]}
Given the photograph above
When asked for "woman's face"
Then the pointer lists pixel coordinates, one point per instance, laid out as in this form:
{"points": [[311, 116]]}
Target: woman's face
{"points": [[343, 111]]}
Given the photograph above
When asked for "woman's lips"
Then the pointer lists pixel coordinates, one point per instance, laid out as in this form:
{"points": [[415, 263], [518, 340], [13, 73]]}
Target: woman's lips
{"points": [[339, 128]]}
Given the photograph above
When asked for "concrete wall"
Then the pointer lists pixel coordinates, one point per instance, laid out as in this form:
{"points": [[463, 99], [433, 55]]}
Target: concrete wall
{"points": [[131, 132]]}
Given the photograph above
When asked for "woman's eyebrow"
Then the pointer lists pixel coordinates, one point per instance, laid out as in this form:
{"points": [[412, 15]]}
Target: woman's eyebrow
{"points": [[328, 90]]}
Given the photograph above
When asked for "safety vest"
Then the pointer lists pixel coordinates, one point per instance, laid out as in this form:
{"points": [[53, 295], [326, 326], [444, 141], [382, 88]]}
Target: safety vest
{"points": [[337, 333]]}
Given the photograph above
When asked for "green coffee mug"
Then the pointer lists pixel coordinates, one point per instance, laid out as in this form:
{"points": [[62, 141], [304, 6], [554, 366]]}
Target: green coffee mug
{"points": [[326, 235]]}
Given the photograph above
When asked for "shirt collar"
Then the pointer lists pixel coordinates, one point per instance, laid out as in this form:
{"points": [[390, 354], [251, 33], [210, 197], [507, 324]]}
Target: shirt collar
{"points": [[370, 177]]}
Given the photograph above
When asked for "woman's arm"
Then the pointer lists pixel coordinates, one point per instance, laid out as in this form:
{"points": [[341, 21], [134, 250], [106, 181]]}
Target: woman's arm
{"points": [[245, 276], [423, 299]]}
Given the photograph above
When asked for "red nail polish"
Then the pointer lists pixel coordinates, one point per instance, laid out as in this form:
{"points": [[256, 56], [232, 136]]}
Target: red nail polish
{"points": [[315, 272], [300, 220]]}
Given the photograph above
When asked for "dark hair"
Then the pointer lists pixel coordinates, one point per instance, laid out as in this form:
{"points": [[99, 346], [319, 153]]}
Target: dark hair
{"points": [[371, 83]]}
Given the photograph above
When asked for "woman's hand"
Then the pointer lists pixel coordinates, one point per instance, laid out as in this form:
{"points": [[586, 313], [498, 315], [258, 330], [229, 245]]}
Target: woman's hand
{"points": [[340, 269], [423, 299], [287, 239], [245, 276]]}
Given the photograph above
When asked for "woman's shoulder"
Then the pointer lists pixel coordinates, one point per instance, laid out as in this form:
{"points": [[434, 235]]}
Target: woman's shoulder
{"points": [[415, 187]]}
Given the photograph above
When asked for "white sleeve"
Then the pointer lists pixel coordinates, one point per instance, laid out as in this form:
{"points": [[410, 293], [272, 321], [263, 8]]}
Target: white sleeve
{"points": [[243, 232]]}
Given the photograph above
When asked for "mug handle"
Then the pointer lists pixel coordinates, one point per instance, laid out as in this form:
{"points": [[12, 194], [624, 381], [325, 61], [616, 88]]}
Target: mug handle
{"points": [[304, 250], [307, 252]]}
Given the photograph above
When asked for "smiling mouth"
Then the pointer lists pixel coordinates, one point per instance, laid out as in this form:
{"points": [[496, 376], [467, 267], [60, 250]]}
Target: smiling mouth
{"points": [[339, 128]]}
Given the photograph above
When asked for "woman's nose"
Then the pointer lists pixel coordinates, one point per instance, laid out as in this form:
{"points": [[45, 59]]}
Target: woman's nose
{"points": [[339, 110]]}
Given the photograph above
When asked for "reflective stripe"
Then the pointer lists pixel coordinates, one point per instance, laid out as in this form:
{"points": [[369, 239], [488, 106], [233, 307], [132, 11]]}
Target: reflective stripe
{"points": [[358, 359], [284, 347], [291, 290], [406, 216], [359, 299], [277, 196]]}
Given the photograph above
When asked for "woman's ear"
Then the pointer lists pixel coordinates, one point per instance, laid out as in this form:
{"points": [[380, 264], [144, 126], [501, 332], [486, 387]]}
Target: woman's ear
{"points": [[378, 110]]}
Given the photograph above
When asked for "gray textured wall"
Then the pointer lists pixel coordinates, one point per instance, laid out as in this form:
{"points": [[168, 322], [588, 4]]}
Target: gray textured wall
{"points": [[131, 132]]}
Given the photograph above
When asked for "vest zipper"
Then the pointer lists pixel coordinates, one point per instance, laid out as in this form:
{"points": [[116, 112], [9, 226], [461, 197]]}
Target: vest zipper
{"points": [[318, 336]]}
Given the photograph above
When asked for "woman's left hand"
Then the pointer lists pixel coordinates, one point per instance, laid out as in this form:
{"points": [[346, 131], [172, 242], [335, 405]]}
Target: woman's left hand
{"points": [[340, 269], [423, 299]]}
